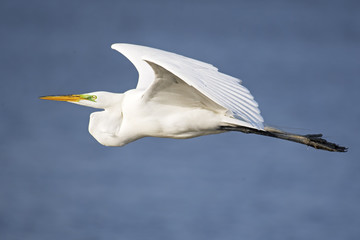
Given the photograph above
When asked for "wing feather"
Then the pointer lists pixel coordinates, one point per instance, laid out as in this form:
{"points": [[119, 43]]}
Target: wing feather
{"points": [[220, 88]]}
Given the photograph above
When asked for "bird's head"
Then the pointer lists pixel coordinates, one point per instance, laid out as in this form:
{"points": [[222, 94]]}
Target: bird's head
{"points": [[100, 99]]}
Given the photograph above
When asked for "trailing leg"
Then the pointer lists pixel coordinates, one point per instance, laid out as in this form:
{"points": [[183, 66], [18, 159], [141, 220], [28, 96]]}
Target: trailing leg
{"points": [[312, 140]]}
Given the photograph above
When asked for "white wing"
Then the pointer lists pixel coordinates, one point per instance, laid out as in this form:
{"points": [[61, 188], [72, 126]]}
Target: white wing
{"points": [[220, 88]]}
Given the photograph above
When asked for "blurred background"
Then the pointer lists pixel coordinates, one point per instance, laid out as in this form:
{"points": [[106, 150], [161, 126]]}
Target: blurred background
{"points": [[300, 59]]}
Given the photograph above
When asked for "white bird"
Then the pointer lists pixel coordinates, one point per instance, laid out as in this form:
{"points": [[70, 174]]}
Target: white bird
{"points": [[177, 97]]}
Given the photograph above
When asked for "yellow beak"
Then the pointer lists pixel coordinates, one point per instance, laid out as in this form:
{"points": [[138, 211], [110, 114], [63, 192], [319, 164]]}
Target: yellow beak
{"points": [[66, 98]]}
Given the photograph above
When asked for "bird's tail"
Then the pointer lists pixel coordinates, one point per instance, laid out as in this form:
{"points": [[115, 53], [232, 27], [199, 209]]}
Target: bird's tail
{"points": [[312, 140]]}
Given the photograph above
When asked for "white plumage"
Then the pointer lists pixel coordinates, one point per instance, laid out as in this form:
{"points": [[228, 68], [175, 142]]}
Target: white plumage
{"points": [[220, 88], [177, 97]]}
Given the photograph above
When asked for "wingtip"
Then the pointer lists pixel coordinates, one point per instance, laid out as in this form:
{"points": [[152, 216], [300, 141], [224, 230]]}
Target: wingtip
{"points": [[113, 46], [116, 46]]}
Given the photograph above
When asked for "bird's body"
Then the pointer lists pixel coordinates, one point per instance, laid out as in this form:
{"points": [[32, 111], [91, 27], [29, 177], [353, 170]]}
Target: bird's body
{"points": [[175, 121], [177, 97], [132, 118]]}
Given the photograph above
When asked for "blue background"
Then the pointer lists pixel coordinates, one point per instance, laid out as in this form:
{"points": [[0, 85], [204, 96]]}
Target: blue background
{"points": [[300, 59]]}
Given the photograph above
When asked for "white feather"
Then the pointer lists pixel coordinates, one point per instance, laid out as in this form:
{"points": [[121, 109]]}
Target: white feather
{"points": [[222, 89]]}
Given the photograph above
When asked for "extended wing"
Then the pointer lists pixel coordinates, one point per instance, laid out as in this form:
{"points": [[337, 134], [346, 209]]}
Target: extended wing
{"points": [[222, 89]]}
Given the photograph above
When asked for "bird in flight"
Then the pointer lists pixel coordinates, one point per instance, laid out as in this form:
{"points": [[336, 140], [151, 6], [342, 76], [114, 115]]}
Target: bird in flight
{"points": [[177, 97]]}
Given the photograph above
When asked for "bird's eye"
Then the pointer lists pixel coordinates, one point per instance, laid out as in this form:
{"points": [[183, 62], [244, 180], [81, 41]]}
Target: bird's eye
{"points": [[92, 98]]}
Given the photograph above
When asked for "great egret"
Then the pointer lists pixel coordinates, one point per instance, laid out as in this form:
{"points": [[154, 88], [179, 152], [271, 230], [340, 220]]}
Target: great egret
{"points": [[177, 97]]}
